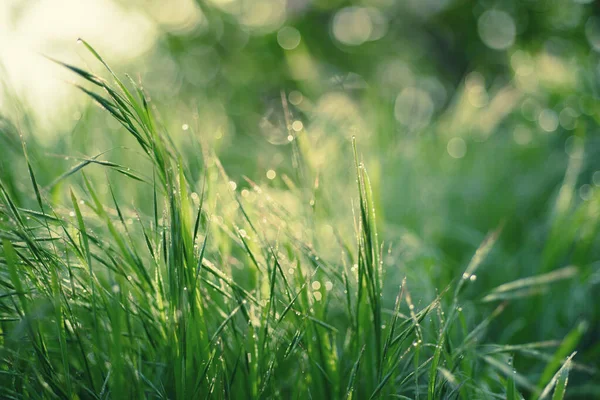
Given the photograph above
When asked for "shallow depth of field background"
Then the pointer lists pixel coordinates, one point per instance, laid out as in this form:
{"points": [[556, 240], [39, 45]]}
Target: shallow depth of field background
{"points": [[470, 115]]}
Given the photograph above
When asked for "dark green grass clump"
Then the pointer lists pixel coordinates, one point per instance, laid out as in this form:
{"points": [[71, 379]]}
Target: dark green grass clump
{"points": [[206, 291]]}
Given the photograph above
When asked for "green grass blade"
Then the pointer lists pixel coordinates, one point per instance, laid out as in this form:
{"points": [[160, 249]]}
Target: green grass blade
{"points": [[568, 346], [559, 380]]}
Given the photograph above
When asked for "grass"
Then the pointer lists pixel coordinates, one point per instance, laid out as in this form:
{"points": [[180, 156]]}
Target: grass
{"points": [[204, 287]]}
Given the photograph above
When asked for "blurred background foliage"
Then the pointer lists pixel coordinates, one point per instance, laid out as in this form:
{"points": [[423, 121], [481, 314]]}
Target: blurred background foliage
{"points": [[470, 115]]}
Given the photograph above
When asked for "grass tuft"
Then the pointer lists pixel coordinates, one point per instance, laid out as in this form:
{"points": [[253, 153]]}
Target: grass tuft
{"points": [[216, 296]]}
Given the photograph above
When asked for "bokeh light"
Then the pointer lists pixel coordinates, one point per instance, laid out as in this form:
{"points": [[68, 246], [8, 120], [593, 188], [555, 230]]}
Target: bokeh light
{"points": [[497, 29], [352, 26]]}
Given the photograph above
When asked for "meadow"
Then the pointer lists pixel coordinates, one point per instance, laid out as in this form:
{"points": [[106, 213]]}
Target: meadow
{"points": [[290, 205]]}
